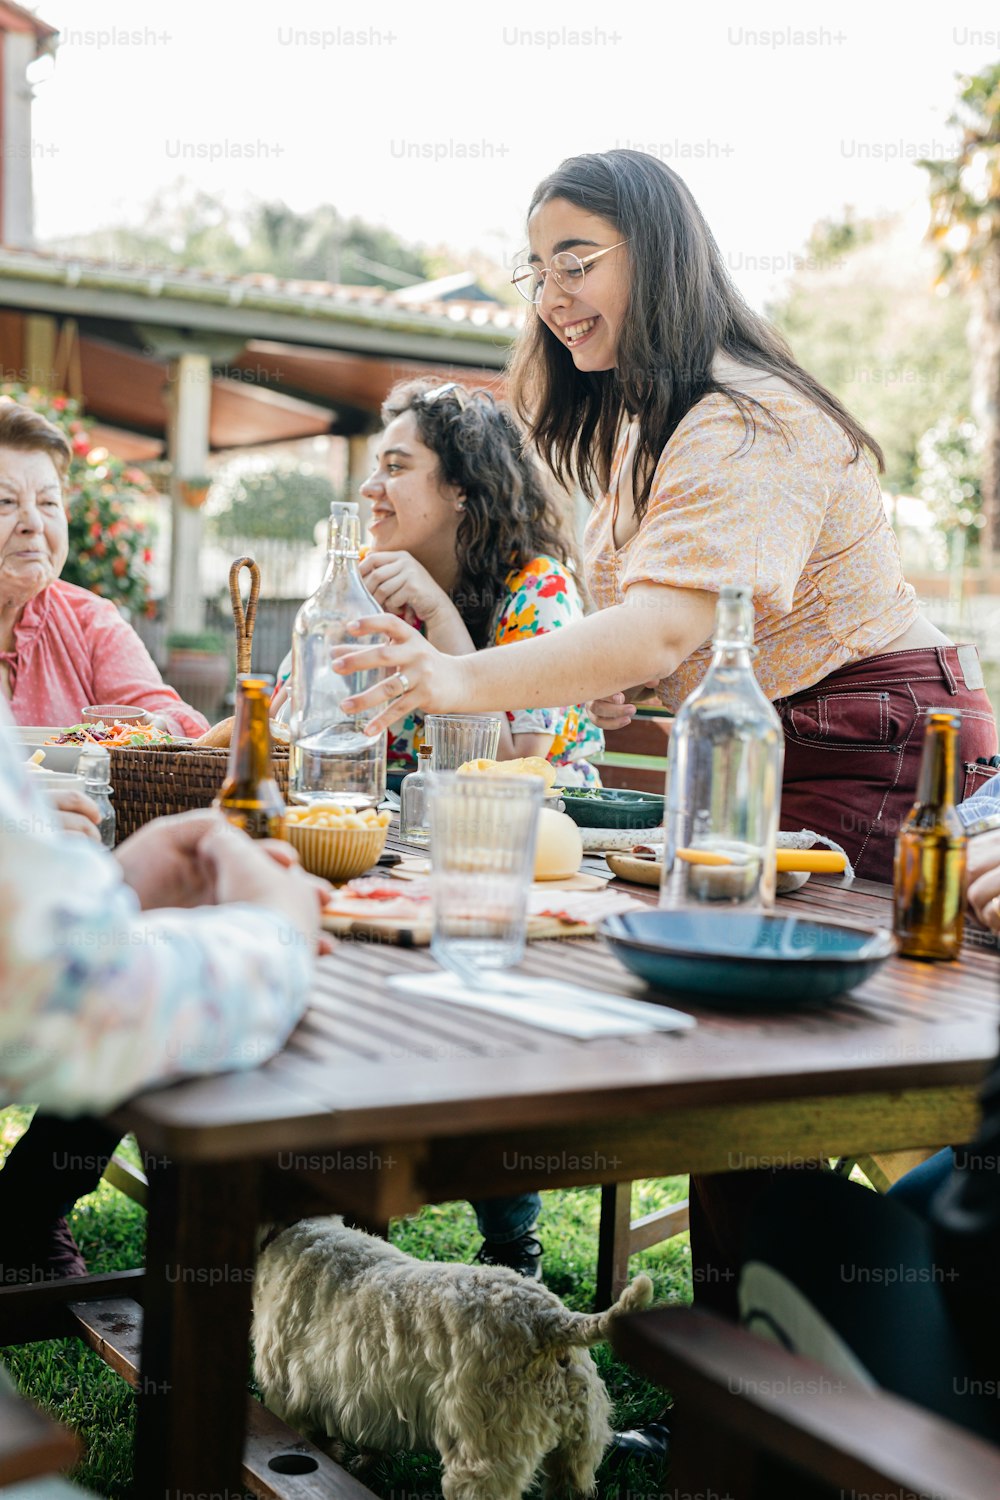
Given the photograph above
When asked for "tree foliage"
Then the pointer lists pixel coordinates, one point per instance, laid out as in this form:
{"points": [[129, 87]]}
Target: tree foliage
{"points": [[865, 319], [949, 478], [186, 227], [965, 188], [262, 498], [965, 228]]}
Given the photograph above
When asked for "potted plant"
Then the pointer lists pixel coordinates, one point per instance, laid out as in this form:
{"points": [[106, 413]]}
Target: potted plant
{"points": [[200, 667], [194, 490]]}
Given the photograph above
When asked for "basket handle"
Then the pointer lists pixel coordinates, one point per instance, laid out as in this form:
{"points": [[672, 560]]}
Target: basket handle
{"points": [[244, 619]]}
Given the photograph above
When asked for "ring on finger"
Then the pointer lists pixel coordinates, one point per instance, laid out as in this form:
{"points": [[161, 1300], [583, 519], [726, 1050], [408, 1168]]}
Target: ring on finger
{"points": [[993, 909], [404, 683]]}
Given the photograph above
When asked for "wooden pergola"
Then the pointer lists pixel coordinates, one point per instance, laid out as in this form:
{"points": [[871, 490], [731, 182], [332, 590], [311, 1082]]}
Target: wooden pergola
{"points": [[189, 363]]}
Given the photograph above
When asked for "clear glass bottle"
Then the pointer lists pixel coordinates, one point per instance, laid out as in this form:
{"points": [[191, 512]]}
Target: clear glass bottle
{"points": [[414, 811], [95, 768], [332, 759], [250, 796], [724, 778], [929, 877]]}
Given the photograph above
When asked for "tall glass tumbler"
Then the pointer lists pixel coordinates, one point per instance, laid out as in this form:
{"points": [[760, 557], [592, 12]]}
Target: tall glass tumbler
{"points": [[483, 833], [456, 738]]}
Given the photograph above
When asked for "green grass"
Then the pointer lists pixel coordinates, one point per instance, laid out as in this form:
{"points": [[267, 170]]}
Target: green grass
{"points": [[80, 1390]]}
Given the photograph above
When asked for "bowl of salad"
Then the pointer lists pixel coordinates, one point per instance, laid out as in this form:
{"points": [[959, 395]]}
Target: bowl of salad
{"points": [[612, 807]]}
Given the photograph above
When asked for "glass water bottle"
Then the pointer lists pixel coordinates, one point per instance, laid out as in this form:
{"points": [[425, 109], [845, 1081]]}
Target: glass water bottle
{"points": [[332, 759], [929, 877], [724, 778], [250, 796], [414, 808], [94, 766]]}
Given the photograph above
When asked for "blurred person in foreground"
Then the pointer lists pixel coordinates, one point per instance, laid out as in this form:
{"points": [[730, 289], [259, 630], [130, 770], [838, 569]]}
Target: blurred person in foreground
{"points": [[188, 951]]}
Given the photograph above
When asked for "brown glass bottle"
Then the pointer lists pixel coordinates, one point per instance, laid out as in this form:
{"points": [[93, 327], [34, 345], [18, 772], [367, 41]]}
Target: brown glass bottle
{"points": [[929, 878], [250, 796]]}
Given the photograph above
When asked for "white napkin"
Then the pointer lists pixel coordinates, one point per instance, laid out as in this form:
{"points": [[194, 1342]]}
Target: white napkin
{"points": [[568, 1009]]}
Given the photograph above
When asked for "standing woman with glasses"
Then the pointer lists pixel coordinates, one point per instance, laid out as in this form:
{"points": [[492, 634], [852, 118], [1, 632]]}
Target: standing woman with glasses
{"points": [[712, 457]]}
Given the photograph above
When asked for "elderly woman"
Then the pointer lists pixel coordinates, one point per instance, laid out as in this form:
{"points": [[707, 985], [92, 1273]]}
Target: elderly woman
{"points": [[61, 647]]}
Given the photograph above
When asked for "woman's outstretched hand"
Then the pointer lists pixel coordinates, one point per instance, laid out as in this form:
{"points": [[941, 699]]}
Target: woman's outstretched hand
{"points": [[419, 677]]}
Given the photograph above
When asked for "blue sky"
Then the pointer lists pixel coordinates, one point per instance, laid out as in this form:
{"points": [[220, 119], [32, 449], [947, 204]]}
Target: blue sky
{"points": [[438, 120]]}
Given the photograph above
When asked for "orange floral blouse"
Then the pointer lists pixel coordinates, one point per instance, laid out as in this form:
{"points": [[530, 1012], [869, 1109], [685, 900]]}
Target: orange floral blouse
{"points": [[788, 515]]}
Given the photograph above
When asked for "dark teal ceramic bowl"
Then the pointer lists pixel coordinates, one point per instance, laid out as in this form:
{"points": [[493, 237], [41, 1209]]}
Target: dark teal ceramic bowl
{"points": [[610, 807], [745, 960]]}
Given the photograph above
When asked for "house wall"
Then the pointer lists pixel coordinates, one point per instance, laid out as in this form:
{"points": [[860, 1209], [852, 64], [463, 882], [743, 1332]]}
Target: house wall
{"points": [[16, 211]]}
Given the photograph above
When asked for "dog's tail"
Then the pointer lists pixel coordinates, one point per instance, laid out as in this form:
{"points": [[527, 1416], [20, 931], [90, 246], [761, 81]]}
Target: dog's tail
{"points": [[581, 1330]]}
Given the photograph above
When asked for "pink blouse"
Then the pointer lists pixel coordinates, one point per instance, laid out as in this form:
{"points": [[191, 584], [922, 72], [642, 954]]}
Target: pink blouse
{"points": [[71, 649]]}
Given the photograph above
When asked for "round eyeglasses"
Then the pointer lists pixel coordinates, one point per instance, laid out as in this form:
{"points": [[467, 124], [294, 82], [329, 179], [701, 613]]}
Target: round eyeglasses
{"points": [[568, 272]]}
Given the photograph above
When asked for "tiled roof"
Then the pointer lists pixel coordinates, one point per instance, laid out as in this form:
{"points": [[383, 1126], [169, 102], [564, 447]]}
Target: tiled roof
{"points": [[314, 299]]}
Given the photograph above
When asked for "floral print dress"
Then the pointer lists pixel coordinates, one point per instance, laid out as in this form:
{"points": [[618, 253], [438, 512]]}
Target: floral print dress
{"points": [[539, 597]]}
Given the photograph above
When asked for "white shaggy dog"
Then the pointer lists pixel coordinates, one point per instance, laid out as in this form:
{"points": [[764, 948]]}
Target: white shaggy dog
{"points": [[357, 1340]]}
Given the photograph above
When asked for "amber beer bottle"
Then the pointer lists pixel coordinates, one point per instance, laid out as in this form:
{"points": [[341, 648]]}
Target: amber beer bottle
{"points": [[929, 877], [250, 796]]}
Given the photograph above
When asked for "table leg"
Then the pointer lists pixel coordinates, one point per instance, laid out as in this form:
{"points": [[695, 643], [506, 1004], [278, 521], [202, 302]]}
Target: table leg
{"points": [[199, 1280]]}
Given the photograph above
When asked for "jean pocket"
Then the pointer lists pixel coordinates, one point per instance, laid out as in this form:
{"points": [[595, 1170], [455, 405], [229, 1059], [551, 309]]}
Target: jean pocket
{"points": [[975, 776], [849, 721]]}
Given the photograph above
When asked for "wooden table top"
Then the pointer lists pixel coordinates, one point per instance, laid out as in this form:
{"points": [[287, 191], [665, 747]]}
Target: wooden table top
{"points": [[367, 1063]]}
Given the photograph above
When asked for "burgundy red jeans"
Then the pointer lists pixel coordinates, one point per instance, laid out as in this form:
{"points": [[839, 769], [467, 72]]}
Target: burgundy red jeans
{"points": [[853, 744]]}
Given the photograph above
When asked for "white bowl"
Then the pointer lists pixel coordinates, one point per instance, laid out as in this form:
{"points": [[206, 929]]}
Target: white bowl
{"points": [[56, 781], [57, 757]]}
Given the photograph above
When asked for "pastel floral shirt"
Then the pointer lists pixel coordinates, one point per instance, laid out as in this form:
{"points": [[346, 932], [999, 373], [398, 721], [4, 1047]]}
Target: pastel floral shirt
{"points": [[98, 999], [796, 521], [538, 598]]}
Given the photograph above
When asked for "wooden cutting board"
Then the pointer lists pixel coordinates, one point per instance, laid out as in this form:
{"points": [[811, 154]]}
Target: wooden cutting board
{"points": [[631, 867], [418, 934], [648, 872]]}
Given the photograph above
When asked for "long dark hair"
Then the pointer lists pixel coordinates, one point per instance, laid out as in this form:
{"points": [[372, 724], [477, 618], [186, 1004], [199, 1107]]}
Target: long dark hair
{"points": [[510, 514], [682, 310]]}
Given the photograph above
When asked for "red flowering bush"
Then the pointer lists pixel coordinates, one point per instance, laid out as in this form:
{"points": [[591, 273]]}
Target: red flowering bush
{"points": [[109, 549]]}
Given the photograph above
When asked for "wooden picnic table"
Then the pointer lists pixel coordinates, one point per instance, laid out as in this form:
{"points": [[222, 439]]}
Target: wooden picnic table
{"points": [[381, 1103]]}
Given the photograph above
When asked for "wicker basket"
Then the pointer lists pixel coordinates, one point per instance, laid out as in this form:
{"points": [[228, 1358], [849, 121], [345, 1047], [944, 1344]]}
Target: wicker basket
{"points": [[152, 783]]}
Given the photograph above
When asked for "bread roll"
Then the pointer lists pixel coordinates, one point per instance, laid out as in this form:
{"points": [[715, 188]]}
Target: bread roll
{"points": [[219, 736], [559, 850], [529, 765]]}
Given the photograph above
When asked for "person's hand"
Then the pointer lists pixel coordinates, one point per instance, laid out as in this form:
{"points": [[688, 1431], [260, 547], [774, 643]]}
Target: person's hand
{"points": [[419, 676], [983, 864], [264, 873], [160, 861], [77, 813], [280, 697], [620, 709], [163, 864], [403, 586]]}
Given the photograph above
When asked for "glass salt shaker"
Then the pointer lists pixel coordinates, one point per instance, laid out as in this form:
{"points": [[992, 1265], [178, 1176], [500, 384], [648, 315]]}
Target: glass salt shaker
{"points": [[414, 817], [95, 767]]}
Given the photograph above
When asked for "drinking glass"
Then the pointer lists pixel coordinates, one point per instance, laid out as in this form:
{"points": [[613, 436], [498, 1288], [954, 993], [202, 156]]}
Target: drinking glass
{"points": [[456, 738], [483, 832]]}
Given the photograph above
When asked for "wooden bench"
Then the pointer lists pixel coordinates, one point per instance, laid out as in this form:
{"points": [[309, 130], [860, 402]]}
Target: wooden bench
{"points": [[106, 1313], [31, 1444], [634, 757], [754, 1422]]}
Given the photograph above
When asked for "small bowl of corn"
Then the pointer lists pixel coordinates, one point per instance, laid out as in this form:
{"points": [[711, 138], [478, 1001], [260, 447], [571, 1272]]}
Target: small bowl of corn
{"points": [[335, 841]]}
